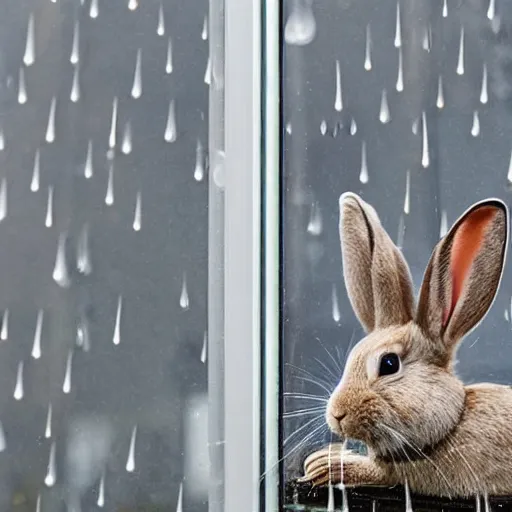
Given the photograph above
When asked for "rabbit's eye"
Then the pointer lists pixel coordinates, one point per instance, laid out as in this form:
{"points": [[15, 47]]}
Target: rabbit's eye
{"points": [[389, 364]]}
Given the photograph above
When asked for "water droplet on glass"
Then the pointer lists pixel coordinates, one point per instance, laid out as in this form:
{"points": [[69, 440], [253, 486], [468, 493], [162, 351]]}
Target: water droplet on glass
{"points": [[66, 385], [137, 78], [130, 462], [475, 128], [414, 126], [204, 33], [427, 39], [323, 127], [184, 300], [60, 270], [133, 4], [289, 128], [443, 228], [398, 29], [94, 11], [168, 62], [83, 257], [88, 169], [315, 221], [4, 331], [137, 218], [408, 504], [48, 427], [491, 11], [336, 315], [338, 102], [51, 471], [363, 175], [425, 154], [3, 199], [440, 94], [75, 87], [113, 126], [18, 388], [36, 346], [330, 498], [384, 115], [205, 348], [208, 73], [29, 55], [50, 128], [160, 29], [407, 200], [300, 28], [126, 146], [460, 60], [484, 95], [83, 340], [75, 47], [170, 128], [353, 127], [109, 196], [22, 88], [199, 167], [116, 339], [445, 9], [400, 76], [48, 221], [179, 504], [368, 49], [34, 184], [101, 492]]}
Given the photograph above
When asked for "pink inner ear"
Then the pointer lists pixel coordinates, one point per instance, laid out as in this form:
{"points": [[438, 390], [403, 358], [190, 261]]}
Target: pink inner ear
{"points": [[466, 245]]}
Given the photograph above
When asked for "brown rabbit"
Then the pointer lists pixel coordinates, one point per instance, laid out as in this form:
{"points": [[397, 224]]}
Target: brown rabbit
{"points": [[398, 393]]}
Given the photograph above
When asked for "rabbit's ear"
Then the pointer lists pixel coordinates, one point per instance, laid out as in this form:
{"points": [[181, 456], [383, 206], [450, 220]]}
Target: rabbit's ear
{"points": [[376, 275], [464, 273]]}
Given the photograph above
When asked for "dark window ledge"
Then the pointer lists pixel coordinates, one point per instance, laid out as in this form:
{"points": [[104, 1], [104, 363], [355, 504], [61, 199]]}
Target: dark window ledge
{"points": [[303, 497]]}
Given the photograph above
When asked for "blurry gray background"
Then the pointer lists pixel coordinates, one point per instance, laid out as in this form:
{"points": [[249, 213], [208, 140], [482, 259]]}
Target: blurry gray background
{"points": [[416, 198], [64, 62]]}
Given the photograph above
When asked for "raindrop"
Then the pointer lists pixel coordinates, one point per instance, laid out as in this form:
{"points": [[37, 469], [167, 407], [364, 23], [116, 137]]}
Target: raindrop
{"points": [[113, 126], [460, 61], [368, 49], [353, 127], [204, 33], [205, 348], [75, 88], [36, 347], [400, 77], [34, 184], [83, 257], [440, 94], [130, 462], [94, 11], [398, 30], [401, 232], [168, 62], [160, 29], [505, 314], [208, 73], [484, 95], [126, 146], [184, 300], [51, 471], [75, 47], [22, 88], [384, 115], [48, 221], [407, 200], [443, 229], [363, 176], [478, 507], [82, 335], [2, 438], [3, 199], [4, 331], [2, 139], [345, 498], [138, 214], [60, 271], [29, 55], [116, 339], [289, 128], [427, 39], [137, 78], [66, 385], [445, 9], [509, 175], [179, 504], [300, 28], [50, 129], [133, 4], [88, 169], [408, 504], [338, 102], [315, 221], [491, 11], [109, 196], [199, 168], [425, 155], [101, 492], [414, 126], [323, 127], [170, 128], [18, 388], [48, 427], [336, 315], [475, 128], [330, 499], [487, 505]]}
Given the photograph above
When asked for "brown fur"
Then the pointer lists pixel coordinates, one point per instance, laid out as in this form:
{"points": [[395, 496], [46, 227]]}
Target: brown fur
{"points": [[421, 425]]}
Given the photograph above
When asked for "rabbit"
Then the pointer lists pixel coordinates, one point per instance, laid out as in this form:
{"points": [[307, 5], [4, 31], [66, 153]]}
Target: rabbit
{"points": [[398, 393]]}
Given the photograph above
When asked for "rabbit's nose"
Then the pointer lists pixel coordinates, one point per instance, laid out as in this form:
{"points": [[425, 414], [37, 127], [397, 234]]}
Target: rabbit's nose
{"points": [[340, 416]]}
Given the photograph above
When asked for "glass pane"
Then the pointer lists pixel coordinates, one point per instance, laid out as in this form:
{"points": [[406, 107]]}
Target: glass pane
{"points": [[104, 219], [406, 105]]}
